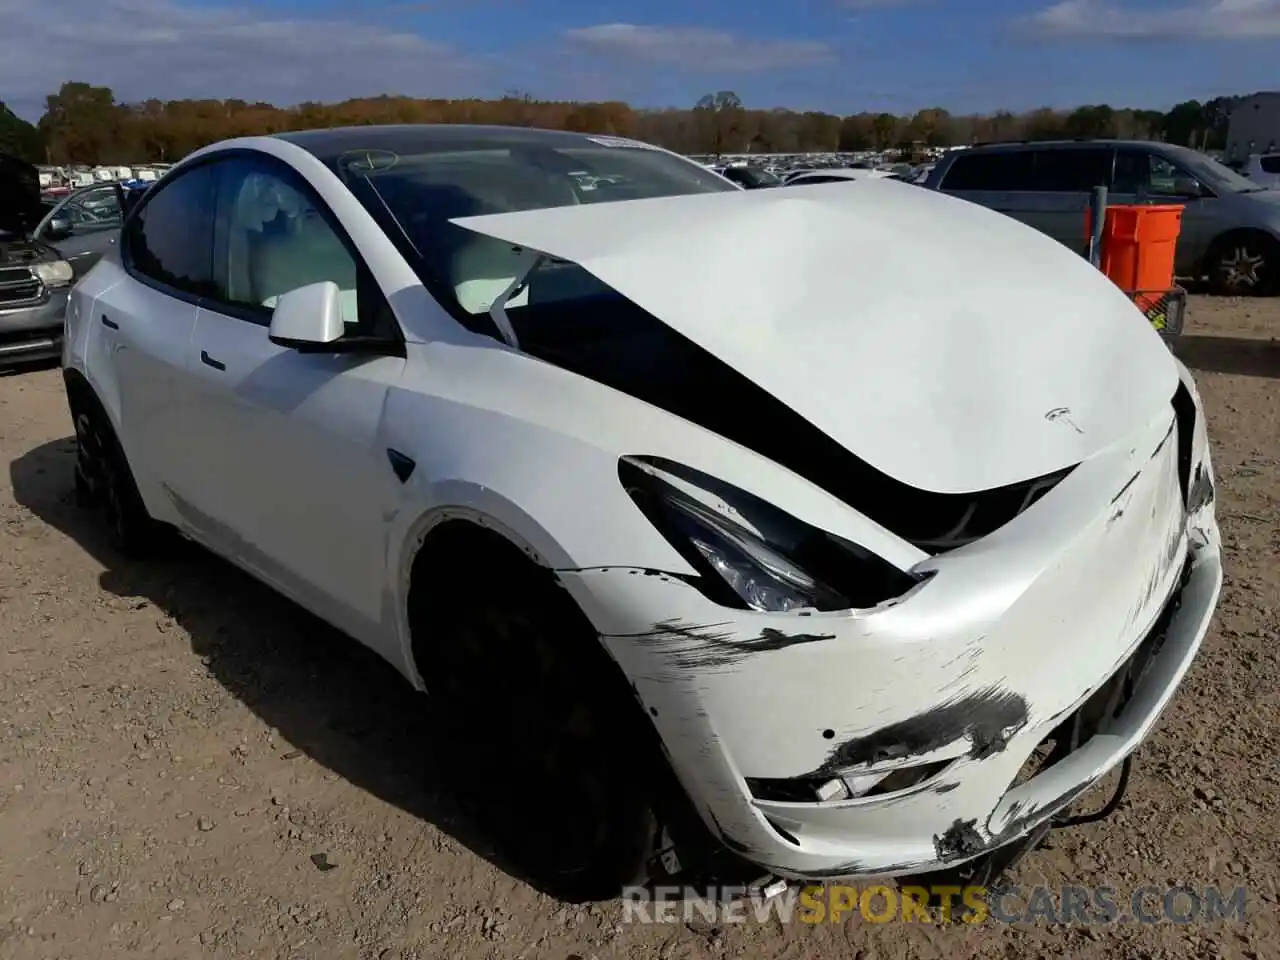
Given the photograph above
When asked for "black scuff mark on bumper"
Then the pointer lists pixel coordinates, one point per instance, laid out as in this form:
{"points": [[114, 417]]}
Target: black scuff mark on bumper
{"points": [[961, 840], [1125, 488], [988, 718], [693, 646]]}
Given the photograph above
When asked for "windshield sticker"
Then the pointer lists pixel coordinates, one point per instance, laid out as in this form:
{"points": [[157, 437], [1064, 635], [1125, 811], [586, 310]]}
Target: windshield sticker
{"points": [[622, 142]]}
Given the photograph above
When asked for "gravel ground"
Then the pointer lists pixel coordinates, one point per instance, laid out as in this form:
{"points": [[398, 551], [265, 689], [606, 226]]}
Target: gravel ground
{"points": [[191, 766]]}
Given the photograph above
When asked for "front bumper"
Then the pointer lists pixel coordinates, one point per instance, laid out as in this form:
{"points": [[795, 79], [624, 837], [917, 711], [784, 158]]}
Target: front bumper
{"points": [[1009, 639], [33, 331]]}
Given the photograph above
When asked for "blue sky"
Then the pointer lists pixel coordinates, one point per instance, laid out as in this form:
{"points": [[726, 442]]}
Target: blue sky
{"points": [[841, 56]]}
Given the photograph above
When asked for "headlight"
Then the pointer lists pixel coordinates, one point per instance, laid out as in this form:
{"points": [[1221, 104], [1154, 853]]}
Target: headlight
{"points": [[55, 274], [792, 566]]}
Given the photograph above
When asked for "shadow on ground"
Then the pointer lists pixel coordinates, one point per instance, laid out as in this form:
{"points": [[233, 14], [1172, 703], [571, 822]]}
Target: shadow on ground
{"points": [[1236, 355], [325, 693]]}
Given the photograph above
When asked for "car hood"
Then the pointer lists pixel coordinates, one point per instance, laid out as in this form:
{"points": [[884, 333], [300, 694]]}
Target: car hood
{"points": [[20, 206], [949, 346]]}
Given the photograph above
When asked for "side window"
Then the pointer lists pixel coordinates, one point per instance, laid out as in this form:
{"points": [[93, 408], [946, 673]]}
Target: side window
{"points": [[273, 235], [95, 209], [1070, 170], [170, 238], [1141, 172], [1270, 163], [990, 171]]}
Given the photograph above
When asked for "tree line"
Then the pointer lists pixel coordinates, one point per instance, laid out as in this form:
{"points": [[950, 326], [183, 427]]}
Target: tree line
{"points": [[83, 123]]}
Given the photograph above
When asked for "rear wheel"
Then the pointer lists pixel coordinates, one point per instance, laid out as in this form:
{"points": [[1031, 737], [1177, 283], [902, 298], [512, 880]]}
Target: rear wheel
{"points": [[1244, 265], [103, 481], [547, 747]]}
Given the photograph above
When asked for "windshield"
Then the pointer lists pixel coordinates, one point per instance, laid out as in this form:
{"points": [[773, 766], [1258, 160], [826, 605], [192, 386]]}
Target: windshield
{"points": [[1212, 173], [414, 196]]}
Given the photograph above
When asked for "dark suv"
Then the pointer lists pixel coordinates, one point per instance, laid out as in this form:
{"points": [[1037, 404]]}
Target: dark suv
{"points": [[43, 251], [1230, 225]]}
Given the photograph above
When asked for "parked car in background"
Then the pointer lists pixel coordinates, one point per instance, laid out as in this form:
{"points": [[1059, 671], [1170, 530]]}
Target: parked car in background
{"points": [[1263, 169], [1230, 225], [749, 176], [619, 506], [45, 246], [837, 175]]}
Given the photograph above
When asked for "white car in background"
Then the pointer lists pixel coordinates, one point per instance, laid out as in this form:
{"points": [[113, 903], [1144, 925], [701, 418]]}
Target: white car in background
{"points": [[837, 175], [1263, 169], [694, 502]]}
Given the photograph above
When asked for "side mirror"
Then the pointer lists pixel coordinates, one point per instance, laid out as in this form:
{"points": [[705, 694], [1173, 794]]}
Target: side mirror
{"points": [[308, 319], [59, 228], [1188, 187]]}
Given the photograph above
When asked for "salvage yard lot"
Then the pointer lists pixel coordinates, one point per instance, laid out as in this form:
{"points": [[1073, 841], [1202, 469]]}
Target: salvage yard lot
{"points": [[191, 766]]}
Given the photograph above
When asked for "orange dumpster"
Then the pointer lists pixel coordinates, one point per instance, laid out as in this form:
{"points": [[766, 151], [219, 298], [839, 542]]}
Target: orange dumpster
{"points": [[1138, 244]]}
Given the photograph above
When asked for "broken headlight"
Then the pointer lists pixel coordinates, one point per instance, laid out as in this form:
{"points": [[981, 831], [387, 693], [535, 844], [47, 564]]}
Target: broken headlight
{"points": [[767, 561]]}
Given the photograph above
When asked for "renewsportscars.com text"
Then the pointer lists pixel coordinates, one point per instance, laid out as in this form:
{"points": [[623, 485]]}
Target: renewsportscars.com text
{"points": [[878, 903]]}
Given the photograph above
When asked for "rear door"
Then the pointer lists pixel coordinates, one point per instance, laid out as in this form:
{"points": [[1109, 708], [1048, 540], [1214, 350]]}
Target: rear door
{"points": [[142, 326]]}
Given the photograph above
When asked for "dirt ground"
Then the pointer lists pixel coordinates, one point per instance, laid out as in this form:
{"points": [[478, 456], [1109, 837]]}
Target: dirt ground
{"points": [[191, 766]]}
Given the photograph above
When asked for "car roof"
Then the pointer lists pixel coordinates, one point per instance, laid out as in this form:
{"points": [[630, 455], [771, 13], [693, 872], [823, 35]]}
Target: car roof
{"points": [[410, 138], [1080, 144]]}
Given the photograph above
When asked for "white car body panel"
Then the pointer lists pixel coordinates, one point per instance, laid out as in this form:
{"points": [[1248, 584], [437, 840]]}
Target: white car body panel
{"points": [[787, 306], [278, 460]]}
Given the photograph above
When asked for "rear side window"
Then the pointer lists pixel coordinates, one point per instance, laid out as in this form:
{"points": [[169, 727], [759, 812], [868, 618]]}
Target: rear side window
{"points": [[170, 239], [1270, 163], [1072, 170], [990, 171]]}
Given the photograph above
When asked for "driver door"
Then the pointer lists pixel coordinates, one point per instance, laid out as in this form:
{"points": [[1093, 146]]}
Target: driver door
{"points": [[92, 218], [295, 478], [1145, 177]]}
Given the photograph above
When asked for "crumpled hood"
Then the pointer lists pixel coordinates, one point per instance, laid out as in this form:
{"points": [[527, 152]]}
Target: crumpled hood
{"points": [[20, 206], [947, 345]]}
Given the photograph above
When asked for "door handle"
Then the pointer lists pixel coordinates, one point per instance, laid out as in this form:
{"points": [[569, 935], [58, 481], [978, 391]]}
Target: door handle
{"points": [[208, 361], [109, 323]]}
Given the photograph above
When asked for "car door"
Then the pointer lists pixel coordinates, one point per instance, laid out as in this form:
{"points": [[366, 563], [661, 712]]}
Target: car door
{"points": [[994, 179], [296, 481], [1062, 180], [142, 326], [94, 217], [1143, 176]]}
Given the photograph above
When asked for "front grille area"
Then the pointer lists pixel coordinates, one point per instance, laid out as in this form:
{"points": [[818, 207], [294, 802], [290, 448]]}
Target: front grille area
{"points": [[18, 285], [1109, 700]]}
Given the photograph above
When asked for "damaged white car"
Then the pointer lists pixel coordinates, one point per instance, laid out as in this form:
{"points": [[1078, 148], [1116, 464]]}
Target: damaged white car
{"points": [[873, 561]]}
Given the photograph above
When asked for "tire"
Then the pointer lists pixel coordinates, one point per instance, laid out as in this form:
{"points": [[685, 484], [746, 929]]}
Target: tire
{"points": [[1244, 265], [543, 739], [103, 481]]}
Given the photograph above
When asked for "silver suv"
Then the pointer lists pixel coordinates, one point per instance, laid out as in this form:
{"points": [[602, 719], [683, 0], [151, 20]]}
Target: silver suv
{"points": [[1230, 227]]}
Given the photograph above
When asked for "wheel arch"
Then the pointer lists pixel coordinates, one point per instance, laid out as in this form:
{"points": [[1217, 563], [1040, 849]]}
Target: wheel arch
{"points": [[496, 528]]}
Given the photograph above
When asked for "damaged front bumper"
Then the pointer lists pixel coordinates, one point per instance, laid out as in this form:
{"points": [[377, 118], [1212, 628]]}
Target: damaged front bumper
{"points": [[1077, 619]]}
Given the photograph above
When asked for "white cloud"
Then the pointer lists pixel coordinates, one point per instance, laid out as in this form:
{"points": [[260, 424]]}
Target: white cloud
{"points": [[1193, 19], [698, 49], [161, 48]]}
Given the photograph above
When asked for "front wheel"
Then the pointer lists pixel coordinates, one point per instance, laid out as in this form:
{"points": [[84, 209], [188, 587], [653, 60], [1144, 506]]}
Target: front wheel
{"points": [[1243, 266], [545, 743]]}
